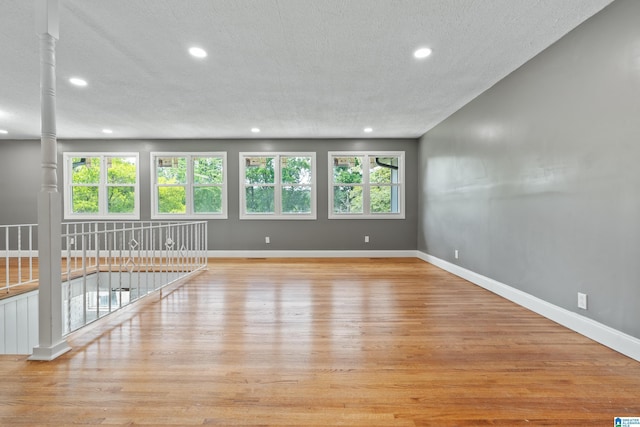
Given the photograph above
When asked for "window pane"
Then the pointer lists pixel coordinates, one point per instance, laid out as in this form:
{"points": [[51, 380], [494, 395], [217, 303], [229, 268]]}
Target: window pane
{"points": [[380, 199], [347, 170], [347, 199], [208, 170], [207, 199], [86, 170], [384, 199], [121, 170], [383, 170], [296, 200], [171, 170], [259, 199], [296, 170], [172, 200], [84, 199], [259, 170], [121, 199]]}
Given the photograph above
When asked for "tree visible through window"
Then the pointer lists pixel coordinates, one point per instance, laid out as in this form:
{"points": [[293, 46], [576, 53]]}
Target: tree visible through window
{"points": [[189, 185], [347, 188], [259, 184], [278, 185], [366, 185], [85, 181], [171, 175], [296, 185], [121, 179], [101, 185]]}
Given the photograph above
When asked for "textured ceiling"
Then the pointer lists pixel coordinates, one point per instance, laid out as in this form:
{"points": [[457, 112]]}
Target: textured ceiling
{"points": [[293, 68]]}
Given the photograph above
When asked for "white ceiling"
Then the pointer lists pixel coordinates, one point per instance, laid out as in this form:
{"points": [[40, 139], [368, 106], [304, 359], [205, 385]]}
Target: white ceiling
{"points": [[293, 68]]}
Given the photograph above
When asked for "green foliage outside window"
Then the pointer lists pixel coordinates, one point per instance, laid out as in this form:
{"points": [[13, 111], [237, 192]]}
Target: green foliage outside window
{"points": [[207, 199], [349, 185], [85, 200], [347, 198], [383, 198], [171, 175], [380, 199], [259, 170], [121, 198], [121, 170], [84, 197], [296, 198], [173, 184], [259, 197], [172, 200], [206, 172], [85, 181], [294, 184]]}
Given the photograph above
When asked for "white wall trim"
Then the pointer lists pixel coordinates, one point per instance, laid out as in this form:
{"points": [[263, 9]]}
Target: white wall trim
{"points": [[313, 254], [24, 253], [603, 334], [253, 254]]}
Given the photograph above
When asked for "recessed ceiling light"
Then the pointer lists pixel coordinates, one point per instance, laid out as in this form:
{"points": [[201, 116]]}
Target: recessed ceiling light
{"points": [[255, 130], [198, 52], [4, 131], [77, 81], [368, 130], [421, 53], [107, 131]]}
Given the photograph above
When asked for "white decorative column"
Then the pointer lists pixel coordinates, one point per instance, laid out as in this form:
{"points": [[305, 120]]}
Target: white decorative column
{"points": [[50, 344]]}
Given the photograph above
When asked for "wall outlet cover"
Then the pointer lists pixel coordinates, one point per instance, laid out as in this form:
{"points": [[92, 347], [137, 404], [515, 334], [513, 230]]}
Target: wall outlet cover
{"points": [[582, 300]]}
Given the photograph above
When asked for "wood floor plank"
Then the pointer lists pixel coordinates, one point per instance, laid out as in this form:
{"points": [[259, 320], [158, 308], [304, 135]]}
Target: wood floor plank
{"points": [[357, 342]]}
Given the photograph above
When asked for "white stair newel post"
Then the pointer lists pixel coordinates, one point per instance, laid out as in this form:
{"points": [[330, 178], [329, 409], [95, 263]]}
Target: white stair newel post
{"points": [[51, 343]]}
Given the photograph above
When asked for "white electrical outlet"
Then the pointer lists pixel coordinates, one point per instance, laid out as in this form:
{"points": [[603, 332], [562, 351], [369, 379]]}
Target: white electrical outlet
{"points": [[366, 239], [455, 253], [267, 239], [582, 301]]}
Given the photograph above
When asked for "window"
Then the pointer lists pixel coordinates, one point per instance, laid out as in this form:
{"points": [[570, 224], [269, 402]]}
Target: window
{"points": [[98, 185], [189, 185], [366, 185], [277, 186]]}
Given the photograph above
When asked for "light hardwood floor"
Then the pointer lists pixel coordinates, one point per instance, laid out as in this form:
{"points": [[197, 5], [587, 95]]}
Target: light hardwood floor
{"points": [[356, 342]]}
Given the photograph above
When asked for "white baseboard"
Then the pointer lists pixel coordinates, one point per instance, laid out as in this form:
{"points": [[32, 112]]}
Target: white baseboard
{"points": [[313, 254], [603, 334], [252, 254], [25, 253]]}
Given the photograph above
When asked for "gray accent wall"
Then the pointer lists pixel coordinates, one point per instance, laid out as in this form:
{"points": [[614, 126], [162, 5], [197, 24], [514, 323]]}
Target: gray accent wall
{"points": [[22, 170], [20, 181], [536, 182]]}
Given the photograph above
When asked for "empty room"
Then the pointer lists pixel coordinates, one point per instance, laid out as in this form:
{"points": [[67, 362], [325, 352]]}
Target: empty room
{"points": [[320, 212]]}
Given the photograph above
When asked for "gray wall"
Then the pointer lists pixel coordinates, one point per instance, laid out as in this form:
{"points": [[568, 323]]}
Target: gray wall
{"points": [[20, 181], [537, 183], [23, 169]]}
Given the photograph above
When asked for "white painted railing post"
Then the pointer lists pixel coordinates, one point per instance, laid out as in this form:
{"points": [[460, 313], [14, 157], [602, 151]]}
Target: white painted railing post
{"points": [[51, 344]]}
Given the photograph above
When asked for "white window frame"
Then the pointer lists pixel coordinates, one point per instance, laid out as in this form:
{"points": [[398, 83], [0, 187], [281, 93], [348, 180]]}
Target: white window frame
{"points": [[366, 186], [102, 187], [189, 185], [277, 214]]}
